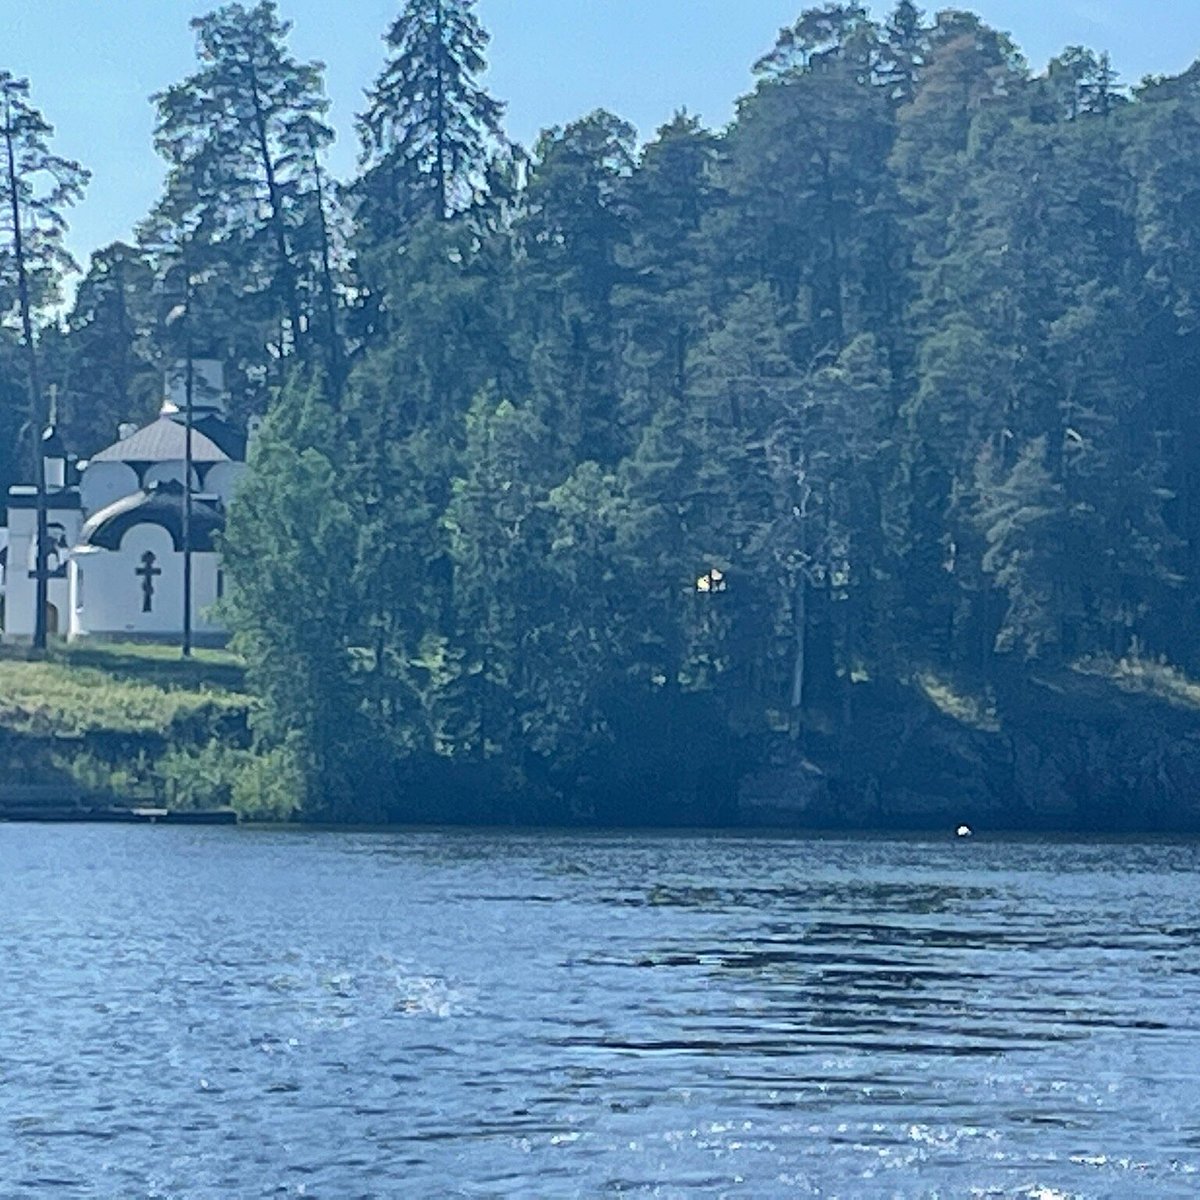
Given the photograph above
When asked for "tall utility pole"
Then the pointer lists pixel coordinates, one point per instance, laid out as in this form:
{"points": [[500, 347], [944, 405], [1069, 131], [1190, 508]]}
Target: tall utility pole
{"points": [[183, 313], [188, 388]]}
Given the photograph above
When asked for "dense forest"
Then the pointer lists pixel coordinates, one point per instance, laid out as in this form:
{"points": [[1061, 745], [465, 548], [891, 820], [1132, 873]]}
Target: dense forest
{"points": [[598, 473]]}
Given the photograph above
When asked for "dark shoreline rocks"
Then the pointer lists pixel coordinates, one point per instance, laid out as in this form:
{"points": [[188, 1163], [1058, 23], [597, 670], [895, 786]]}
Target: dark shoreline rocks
{"points": [[1077, 759]]}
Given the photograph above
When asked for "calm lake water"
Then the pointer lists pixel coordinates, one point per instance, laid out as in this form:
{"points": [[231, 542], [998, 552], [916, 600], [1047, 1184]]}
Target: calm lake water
{"points": [[228, 1013]]}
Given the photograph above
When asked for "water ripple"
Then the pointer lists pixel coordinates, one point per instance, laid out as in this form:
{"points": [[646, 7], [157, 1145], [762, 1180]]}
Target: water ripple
{"points": [[213, 1012]]}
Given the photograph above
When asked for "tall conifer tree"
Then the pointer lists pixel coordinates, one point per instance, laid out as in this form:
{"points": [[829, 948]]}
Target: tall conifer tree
{"points": [[36, 187], [240, 137], [429, 128], [109, 374]]}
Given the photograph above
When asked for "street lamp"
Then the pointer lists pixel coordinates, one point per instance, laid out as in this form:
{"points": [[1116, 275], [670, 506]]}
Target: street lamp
{"points": [[51, 476], [182, 313], [54, 460]]}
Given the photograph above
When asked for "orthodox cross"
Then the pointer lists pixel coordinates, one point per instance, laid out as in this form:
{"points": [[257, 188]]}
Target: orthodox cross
{"points": [[148, 571]]}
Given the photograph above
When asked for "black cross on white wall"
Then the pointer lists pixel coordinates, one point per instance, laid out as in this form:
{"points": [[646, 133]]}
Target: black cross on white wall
{"points": [[148, 571]]}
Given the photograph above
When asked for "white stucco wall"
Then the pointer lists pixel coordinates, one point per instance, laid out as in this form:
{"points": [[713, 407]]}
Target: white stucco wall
{"points": [[158, 472], [103, 483], [221, 479], [107, 591], [20, 601]]}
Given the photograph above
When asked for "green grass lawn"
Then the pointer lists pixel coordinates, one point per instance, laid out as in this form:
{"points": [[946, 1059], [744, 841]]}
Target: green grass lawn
{"points": [[123, 687]]}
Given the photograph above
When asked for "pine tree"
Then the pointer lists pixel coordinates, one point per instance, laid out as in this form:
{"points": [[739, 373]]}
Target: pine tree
{"points": [[293, 533], [904, 52], [809, 203], [109, 375], [1035, 549], [36, 187], [429, 128], [14, 410], [491, 521], [582, 656], [661, 306], [972, 85], [818, 38], [574, 236], [241, 138]]}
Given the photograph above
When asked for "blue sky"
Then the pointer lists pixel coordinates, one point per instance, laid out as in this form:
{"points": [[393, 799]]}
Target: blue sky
{"points": [[94, 63]]}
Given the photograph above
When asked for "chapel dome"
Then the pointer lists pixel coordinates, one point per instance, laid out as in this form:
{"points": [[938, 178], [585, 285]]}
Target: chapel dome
{"points": [[213, 440], [162, 505]]}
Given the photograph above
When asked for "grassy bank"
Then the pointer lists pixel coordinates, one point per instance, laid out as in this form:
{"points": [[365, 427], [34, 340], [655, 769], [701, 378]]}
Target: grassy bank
{"points": [[120, 688], [132, 722], [1103, 745]]}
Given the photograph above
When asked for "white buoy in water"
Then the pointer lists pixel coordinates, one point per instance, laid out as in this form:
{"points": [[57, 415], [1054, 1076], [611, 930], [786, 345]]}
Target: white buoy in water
{"points": [[963, 831]]}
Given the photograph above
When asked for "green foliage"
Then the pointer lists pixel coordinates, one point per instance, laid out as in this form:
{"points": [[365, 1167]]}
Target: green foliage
{"points": [[289, 551], [135, 724], [489, 518], [104, 366], [265, 785], [115, 690], [573, 235], [614, 467], [429, 126], [241, 234], [36, 189], [130, 779], [887, 381]]}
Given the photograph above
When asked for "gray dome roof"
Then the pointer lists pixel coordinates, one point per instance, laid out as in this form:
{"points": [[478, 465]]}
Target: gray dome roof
{"points": [[213, 440], [162, 505]]}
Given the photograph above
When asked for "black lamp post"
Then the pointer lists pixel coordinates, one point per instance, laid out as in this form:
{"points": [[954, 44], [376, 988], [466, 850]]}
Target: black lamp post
{"points": [[54, 460], [182, 312], [51, 476], [188, 391]]}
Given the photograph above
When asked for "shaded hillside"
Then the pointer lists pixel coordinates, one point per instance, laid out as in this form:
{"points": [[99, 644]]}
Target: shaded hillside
{"points": [[598, 475], [1102, 747]]}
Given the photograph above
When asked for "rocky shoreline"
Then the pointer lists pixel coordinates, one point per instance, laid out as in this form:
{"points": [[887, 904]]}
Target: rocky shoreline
{"points": [[1072, 754]]}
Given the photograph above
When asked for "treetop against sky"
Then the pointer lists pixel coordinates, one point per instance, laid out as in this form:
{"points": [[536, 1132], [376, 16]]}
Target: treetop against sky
{"points": [[550, 61]]}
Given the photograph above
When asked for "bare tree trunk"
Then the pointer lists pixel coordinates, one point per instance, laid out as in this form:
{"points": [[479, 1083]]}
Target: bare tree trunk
{"points": [[279, 229], [327, 288], [835, 260], [800, 620]]}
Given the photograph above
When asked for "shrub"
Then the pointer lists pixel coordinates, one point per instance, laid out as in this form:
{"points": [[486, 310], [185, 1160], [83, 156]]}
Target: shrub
{"points": [[259, 785]]}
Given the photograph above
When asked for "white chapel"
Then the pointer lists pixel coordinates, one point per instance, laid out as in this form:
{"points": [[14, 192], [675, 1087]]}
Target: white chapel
{"points": [[116, 526]]}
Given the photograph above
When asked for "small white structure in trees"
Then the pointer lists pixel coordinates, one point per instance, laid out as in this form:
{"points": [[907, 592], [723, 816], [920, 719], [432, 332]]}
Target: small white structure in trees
{"points": [[116, 526]]}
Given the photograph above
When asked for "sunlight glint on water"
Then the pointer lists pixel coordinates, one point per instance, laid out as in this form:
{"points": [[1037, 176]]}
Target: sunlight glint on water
{"points": [[217, 1012]]}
